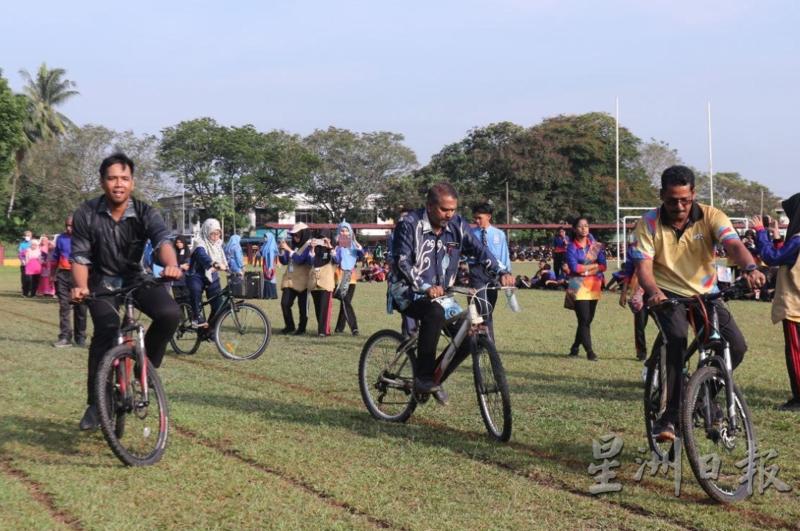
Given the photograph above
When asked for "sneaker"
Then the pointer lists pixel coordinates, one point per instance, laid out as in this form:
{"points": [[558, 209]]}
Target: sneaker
{"points": [[426, 385], [664, 430], [591, 356], [80, 342], [790, 405], [355, 332], [441, 396], [89, 420], [61, 343], [288, 330], [199, 324]]}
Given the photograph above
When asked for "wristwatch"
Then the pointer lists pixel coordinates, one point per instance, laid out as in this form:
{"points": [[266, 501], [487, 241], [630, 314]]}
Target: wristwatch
{"points": [[749, 268]]}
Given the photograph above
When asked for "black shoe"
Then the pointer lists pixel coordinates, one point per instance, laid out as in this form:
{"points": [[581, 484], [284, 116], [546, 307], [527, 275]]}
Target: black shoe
{"points": [[337, 331], [641, 356], [80, 342], [591, 356], [664, 430], [288, 330], [89, 420], [299, 332], [441, 396], [61, 343], [791, 405], [355, 332], [573, 353], [426, 386]]}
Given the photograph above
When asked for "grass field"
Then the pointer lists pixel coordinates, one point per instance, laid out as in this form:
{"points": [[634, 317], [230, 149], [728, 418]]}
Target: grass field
{"points": [[285, 441]]}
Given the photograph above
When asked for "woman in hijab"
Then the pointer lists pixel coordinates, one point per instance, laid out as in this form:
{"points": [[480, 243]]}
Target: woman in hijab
{"points": [[318, 255], [46, 287], [786, 303], [183, 253], [294, 283], [31, 258], [269, 259], [348, 251], [235, 257], [207, 258]]}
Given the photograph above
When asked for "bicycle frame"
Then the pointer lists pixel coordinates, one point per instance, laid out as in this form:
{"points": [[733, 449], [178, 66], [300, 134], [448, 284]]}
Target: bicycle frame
{"points": [[127, 328], [707, 339], [470, 320]]}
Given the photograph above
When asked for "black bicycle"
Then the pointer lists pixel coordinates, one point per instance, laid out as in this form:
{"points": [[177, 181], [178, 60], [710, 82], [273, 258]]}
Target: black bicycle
{"points": [[131, 401], [715, 423], [388, 362], [240, 330]]}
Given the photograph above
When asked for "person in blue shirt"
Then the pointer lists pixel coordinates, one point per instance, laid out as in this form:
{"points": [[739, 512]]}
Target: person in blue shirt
{"points": [[495, 241], [786, 303], [235, 258], [426, 247], [348, 251], [269, 260]]}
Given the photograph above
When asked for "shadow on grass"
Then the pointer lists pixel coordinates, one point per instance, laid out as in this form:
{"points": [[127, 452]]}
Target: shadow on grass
{"points": [[474, 444], [59, 437]]}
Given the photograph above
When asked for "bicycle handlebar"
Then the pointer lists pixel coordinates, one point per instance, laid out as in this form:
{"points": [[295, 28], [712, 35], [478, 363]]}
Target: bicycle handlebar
{"points": [[727, 293], [139, 282]]}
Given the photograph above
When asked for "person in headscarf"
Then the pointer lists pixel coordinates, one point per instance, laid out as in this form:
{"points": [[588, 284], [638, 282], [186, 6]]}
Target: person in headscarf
{"points": [[235, 257], [294, 283], [46, 288], [31, 258], [208, 257], [184, 254], [269, 260], [348, 251], [786, 303], [318, 255]]}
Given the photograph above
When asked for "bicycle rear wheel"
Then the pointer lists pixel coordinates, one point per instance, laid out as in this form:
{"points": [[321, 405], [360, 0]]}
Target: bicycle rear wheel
{"points": [[722, 458], [386, 376], [186, 339], [242, 332], [655, 403], [135, 430], [494, 400]]}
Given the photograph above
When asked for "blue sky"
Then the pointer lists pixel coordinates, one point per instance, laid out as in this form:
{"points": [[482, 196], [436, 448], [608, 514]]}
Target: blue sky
{"points": [[432, 70]]}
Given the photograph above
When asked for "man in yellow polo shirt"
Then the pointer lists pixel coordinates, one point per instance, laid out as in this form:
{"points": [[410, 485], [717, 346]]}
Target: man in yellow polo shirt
{"points": [[674, 250]]}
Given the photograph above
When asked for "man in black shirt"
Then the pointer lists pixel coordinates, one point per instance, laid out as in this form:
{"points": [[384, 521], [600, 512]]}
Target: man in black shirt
{"points": [[108, 239]]}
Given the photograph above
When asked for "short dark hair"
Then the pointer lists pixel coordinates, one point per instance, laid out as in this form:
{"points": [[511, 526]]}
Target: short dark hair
{"points": [[677, 176], [116, 158], [439, 190], [578, 220], [483, 208]]}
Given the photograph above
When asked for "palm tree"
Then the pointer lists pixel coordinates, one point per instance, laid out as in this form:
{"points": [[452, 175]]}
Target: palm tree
{"points": [[44, 93]]}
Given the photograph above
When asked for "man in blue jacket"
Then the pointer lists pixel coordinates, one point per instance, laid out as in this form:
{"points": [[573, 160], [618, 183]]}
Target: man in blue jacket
{"points": [[426, 247]]}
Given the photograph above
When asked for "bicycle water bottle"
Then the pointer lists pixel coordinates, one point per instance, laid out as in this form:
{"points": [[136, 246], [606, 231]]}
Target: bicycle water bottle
{"points": [[511, 301]]}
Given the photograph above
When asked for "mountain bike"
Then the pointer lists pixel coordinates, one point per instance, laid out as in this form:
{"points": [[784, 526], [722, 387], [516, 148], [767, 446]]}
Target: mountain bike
{"points": [[240, 330], [715, 423], [131, 401], [388, 363]]}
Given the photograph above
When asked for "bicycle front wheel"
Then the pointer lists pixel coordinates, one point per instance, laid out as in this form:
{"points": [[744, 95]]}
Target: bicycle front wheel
{"points": [[655, 402], [721, 448], [494, 400], [136, 429], [185, 340], [242, 332], [386, 376]]}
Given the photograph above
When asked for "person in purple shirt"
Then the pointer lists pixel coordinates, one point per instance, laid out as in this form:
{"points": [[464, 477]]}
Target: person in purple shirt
{"points": [[62, 265]]}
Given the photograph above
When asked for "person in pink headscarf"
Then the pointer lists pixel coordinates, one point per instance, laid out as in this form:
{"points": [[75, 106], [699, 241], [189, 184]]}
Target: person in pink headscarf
{"points": [[46, 287], [31, 258]]}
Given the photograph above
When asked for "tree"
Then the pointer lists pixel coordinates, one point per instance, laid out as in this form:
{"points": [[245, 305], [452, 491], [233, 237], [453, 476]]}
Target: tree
{"points": [[44, 93], [230, 170], [12, 119], [655, 157], [354, 168], [739, 197]]}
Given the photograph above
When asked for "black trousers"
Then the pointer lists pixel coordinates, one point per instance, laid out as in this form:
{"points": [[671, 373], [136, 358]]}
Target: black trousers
{"points": [[29, 285], [640, 319], [558, 262], [22, 279], [346, 312], [674, 323], [287, 301], [322, 310], [155, 302], [78, 311], [584, 311], [430, 316]]}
